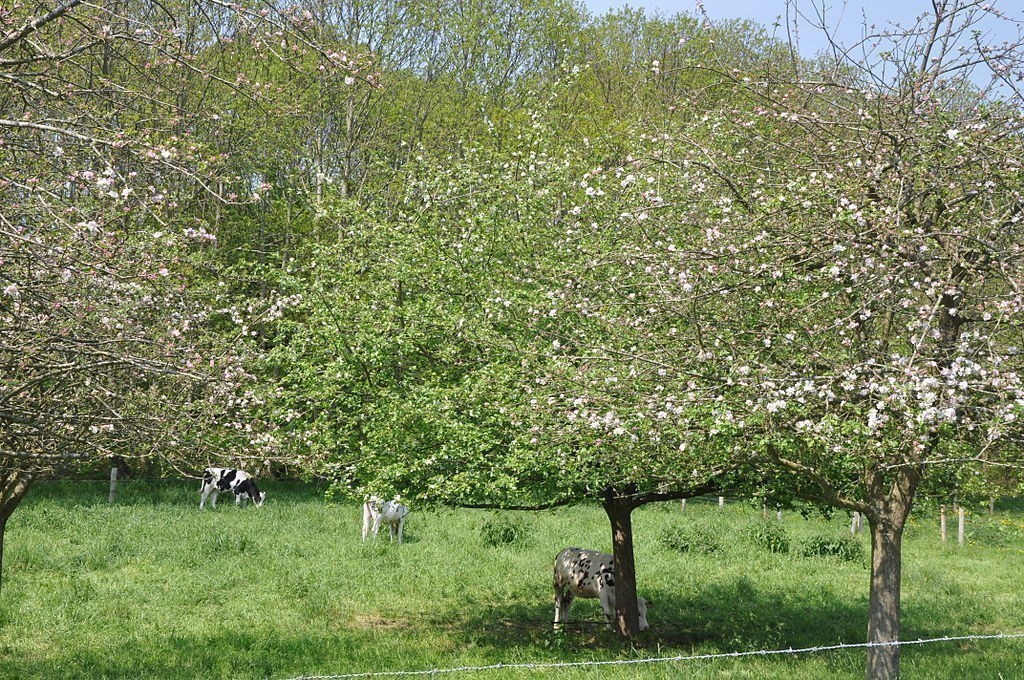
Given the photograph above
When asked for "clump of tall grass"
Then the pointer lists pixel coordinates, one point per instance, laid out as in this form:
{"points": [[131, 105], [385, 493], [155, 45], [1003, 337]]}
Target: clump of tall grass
{"points": [[844, 548], [504, 530], [697, 537], [766, 535]]}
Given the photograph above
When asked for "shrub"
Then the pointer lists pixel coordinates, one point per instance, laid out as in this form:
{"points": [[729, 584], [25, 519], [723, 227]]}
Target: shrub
{"points": [[845, 548], [999, 533], [767, 535], [503, 530], [697, 538]]}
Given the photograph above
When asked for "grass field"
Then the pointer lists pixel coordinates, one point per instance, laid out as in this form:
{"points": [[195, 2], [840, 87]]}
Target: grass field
{"points": [[151, 587]]}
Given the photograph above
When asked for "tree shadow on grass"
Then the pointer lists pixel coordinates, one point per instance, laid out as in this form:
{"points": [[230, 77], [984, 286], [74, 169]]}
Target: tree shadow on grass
{"points": [[155, 492], [182, 656], [239, 655], [732, 616]]}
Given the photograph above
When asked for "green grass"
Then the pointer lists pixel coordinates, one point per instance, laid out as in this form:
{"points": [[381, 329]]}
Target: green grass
{"points": [[151, 587]]}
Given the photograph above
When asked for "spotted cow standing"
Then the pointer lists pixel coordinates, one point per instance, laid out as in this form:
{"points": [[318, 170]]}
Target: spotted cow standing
{"points": [[377, 512], [238, 482], [588, 573]]}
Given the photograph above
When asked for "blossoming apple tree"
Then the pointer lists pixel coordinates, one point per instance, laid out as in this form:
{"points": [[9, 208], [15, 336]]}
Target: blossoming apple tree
{"points": [[424, 357], [110, 345], [821, 277]]}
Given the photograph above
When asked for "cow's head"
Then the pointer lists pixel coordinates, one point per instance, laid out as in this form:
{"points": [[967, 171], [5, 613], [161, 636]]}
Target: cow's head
{"points": [[641, 608], [258, 498]]}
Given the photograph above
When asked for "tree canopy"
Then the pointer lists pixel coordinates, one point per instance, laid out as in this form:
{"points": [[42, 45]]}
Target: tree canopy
{"points": [[510, 254]]}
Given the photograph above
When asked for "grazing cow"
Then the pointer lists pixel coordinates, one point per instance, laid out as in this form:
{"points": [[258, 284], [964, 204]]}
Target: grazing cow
{"points": [[238, 482], [377, 512], [588, 573]]}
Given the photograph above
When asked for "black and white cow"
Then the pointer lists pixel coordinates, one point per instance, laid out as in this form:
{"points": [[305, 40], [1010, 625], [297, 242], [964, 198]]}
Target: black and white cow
{"points": [[588, 573], [238, 482], [377, 512]]}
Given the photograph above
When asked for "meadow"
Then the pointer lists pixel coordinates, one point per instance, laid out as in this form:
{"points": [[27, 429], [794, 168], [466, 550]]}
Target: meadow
{"points": [[151, 587]]}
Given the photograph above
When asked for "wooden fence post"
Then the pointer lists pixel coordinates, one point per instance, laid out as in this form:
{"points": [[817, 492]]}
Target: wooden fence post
{"points": [[942, 522], [721, 502], [960, 527], [113, 484], [682, 505]]}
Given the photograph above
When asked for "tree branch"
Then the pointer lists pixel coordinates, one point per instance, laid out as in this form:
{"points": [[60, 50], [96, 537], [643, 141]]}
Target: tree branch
{"points": [[829, 494], [20, 34]]}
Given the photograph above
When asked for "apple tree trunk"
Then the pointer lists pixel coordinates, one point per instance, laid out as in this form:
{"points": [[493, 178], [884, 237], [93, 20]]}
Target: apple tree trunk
{"points": [[883, 660], [627, 617]]}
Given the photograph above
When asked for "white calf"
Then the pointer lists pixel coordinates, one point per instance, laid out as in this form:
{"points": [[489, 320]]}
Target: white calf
{"points": [[588, 573], [238, 482], [377, 512]]}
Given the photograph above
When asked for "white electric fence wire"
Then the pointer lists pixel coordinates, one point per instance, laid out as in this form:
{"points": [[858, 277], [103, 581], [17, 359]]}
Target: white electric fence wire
{"points": [[659, 659]]}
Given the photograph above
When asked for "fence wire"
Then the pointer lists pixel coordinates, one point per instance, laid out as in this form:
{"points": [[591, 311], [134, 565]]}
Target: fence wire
{"points": [[658, 659]]}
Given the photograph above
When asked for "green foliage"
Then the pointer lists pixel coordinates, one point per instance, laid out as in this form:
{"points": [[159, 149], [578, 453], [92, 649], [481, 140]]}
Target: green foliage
{"points": [[393, 281], [697, 537], [504, 529], [844, 548], [767, 534], [996, 531]]}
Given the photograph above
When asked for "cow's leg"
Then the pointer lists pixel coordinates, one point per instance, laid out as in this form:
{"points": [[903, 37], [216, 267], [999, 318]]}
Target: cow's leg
{"points": [[205, 492], [607, 598], [213, 497], [401, 524], [563, 600], [367, 519], [376, 525]]}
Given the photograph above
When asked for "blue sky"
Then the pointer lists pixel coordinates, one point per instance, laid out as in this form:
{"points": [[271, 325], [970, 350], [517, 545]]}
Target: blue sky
{"points": [[845, 18]]}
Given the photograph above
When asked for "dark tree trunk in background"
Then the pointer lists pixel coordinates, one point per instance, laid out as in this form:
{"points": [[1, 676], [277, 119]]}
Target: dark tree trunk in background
{"points": [[122, 467], [619, 510], [15, 486]]}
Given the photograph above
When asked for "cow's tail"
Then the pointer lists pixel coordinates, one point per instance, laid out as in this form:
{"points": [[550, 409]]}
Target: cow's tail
{"points": [[558, 581]]}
